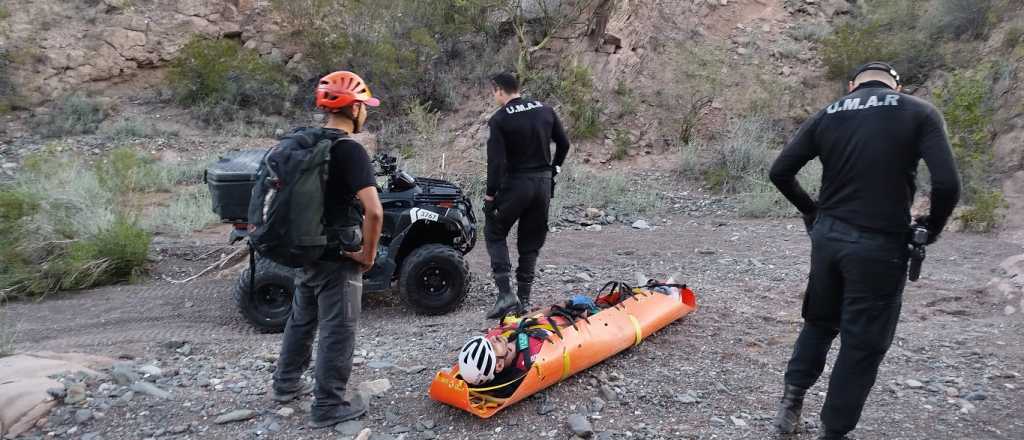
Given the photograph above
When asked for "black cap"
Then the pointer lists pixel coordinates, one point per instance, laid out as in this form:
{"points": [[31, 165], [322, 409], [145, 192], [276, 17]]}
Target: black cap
{"points": [[879, 66]]}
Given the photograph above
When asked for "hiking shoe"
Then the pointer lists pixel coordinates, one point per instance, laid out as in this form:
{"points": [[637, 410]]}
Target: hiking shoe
{"points": [[787, 419], [304, 388], [342, 413]]}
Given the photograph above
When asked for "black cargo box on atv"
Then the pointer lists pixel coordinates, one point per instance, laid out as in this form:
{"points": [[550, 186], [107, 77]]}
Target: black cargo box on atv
{"points": [[230, 180]]}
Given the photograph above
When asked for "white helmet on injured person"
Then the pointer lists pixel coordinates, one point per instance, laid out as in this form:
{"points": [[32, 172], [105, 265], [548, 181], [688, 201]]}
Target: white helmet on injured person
{"points": [[477, 361]]}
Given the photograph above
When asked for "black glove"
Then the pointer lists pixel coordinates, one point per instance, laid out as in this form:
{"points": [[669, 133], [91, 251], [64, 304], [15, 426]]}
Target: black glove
{"points": [[809, 219], [490, 207], [925, 221]]}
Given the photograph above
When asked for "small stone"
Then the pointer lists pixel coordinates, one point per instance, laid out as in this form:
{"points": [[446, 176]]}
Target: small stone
{"points": [[428, 435], [706, 251], [400, 429], [1009, 310], [641, 224], [375, 387], [911, 383], [740, 423], [717, 420], [57, 393], [966, 407], [122, 374], [279, 132], [428, 423], [358, 360], [742, 51], [545, 408], [593, 228], [609, 393], [91, 436], [237, 415], [414, 369], [593, 213], [306, 406], [178, 429], [580, 426], [596, 404], [150, 389], [285, 412], [583, 276], [976, 396], [380, 365], [185, 350], [687, 398], [75, 394], [151, 370], [126, 397], [351, 427], [82, 416]]}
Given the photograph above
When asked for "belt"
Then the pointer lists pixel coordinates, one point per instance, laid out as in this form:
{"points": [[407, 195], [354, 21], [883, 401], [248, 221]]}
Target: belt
{"points": [[545, 173]]}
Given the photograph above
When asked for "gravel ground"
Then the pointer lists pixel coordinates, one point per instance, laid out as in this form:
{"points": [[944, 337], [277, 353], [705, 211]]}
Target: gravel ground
{"points": [[953, 373]]}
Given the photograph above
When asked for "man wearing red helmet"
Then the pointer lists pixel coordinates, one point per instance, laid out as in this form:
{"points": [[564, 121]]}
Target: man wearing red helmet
{"points": [[328, 293]]}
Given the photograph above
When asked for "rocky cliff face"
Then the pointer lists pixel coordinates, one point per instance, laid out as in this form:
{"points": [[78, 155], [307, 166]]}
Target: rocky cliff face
{"points": [[58, 47]]}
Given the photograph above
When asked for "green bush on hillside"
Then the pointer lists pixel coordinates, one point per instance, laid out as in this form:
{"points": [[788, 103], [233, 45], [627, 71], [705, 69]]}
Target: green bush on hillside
{"points": [[68, 224], [962, 18], [405, 49], [885, 30], [219, 78], [73, 115], [967, 104], [576, 94]]}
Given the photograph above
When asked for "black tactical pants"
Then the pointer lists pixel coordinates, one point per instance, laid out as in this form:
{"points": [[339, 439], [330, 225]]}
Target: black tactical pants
{"points": [[856, 291], [327, 295], [524, 199]]}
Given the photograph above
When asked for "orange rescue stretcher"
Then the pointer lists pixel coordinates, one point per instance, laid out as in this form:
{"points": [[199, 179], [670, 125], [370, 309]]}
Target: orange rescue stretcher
{"points": [[602, 336]]}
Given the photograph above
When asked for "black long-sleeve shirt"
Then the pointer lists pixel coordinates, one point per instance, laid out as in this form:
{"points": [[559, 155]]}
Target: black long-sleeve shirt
{"points": [[870, 143], [521, 133]]}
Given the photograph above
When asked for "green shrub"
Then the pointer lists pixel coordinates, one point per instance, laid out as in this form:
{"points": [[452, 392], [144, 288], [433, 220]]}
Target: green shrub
{"points": [[887, 30], [62, 226], [986, 212], [613, 192], [138, 129], [737, 160], [189, 211], [810, 31], [8, 330], [1014, 36], [962, 18], [73, 115], [583, 109], [403, 48], [218, 78], [6, 84], [621, 141], [763, 200]]}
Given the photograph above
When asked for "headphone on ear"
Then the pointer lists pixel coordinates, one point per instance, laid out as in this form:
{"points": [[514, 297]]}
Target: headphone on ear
{"points": [[879, 66]]}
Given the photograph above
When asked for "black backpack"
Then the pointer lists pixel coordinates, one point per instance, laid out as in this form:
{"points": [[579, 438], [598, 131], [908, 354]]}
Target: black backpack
{"points": [[287, 204]]}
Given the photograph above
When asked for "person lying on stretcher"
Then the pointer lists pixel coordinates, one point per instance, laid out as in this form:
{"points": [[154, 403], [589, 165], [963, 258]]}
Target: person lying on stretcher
{"points": [[497, 362]]}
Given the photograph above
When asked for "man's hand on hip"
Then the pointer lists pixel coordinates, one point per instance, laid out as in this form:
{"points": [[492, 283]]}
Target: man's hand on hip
{"points": [[364, 258]]}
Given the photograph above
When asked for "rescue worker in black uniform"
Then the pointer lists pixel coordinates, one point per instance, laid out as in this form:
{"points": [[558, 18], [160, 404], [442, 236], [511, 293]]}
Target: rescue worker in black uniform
{"points": [[869, 143], [520, 179]]}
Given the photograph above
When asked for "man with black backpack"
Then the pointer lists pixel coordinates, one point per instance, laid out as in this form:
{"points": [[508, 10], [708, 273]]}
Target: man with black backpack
{"points": [[315, 206]]}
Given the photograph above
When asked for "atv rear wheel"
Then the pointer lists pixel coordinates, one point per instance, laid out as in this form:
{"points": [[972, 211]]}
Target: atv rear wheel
{"points": [[268, 306], [434, 279]]}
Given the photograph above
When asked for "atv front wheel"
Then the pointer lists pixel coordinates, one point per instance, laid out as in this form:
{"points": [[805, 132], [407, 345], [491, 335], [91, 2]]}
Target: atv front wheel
{"points": [[268, 305], [434, 279]]}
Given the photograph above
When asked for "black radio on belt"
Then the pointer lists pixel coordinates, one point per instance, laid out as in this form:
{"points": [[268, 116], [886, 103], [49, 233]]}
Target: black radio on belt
{"points": [[918, 240]]}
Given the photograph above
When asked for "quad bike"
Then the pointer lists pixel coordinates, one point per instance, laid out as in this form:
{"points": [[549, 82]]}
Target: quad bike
{"points": [[428, 228]]}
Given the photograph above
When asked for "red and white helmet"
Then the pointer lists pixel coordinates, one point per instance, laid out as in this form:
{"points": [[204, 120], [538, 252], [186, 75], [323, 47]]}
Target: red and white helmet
{"points": [[341, 89], [477, 361]]}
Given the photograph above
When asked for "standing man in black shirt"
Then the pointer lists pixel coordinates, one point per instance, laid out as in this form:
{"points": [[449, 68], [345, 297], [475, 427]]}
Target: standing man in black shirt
{"points": [[520, 173], [328, 292], [869, 143]]}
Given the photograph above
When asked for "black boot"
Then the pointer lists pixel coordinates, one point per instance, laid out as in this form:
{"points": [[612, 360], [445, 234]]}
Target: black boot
{"points": [[523, 292], [507, 301], [826, 435], [787, 419]]}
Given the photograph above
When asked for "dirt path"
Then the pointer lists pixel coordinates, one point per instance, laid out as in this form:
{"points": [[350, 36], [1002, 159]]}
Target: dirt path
{"points": [[730, 355]]}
